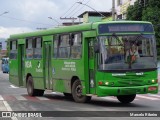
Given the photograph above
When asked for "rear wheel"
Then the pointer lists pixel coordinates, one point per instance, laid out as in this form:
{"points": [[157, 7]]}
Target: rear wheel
{"points": [[30, 88], [77, 93], [126, 98]]}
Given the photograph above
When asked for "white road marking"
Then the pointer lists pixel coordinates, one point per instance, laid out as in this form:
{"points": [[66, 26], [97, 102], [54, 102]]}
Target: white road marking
{"points": [[145, 97], [42, 98], [18, 97], [109, 98], [154, 95], [1, 98], [136, 99], [12, 86], [9, 109], [112, 98]]}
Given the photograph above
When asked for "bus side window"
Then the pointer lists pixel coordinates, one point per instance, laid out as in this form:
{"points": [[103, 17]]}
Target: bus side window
{"points": [[76, 48], [91, 49], [56, 41], [38, 48], [64, 46], [29, 48], [13, 49]]}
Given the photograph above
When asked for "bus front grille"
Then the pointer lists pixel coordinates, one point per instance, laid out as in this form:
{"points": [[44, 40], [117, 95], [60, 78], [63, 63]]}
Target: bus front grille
{"points": [[130, 82]]}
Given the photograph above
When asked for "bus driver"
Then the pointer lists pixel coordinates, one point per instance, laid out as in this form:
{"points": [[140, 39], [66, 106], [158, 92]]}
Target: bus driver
{"points": [[132, 54]]}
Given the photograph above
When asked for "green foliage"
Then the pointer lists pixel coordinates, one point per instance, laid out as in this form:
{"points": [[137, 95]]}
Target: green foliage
{"points": [[150, 11], [134, 12]]}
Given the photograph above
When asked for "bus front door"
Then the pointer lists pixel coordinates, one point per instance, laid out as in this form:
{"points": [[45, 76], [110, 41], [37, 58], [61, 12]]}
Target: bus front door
{"points": [[47, 65], [91, 55]]}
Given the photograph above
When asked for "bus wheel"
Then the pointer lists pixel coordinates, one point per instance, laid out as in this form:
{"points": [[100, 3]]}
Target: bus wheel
{"points": [[126, 98], [77, 93], [30, 87]]}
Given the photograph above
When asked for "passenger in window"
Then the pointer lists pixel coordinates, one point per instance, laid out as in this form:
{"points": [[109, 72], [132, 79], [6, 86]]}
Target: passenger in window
{"points": [[78, 55], [132, 54]]}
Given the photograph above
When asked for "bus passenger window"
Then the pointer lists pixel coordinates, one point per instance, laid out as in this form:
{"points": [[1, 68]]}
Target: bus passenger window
{"points": [[55, 46], [76, 48], [38, 48], [29, 49], [64, 47], [13, 49]]}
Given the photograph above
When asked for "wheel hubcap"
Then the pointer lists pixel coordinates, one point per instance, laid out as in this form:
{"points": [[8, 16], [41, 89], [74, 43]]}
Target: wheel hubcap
{"points": [[79, 90]]}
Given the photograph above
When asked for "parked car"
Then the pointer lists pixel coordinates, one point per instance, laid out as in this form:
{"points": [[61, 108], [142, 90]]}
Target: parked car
{"points": [[5, 65]]}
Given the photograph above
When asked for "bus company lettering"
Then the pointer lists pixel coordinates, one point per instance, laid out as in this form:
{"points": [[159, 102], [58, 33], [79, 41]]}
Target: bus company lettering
{"points": [[38, 69], [28, 64], [69, 66]]}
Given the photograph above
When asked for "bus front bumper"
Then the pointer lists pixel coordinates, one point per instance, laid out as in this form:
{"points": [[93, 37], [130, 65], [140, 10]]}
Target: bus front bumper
{"points": [[115, 91]]}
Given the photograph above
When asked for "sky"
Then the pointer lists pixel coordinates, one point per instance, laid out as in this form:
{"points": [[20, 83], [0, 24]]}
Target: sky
{"points": [[29, 15]]}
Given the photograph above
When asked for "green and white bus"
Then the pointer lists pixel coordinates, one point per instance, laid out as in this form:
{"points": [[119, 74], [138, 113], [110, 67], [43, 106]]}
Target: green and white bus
{"points": [[116, 58]]}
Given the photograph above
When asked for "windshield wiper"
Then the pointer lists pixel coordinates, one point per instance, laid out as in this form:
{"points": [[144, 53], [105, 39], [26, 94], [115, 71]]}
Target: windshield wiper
{"points": [[138, 37], [120, 42]]}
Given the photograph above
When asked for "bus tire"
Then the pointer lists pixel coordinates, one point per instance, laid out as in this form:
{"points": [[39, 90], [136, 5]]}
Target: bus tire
{"points": [[126, 98], [77, 93], [30, 87]]}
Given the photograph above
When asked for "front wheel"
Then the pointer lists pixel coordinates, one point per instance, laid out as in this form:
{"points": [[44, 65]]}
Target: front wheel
{"points": [[77, 93], [126, 98]]}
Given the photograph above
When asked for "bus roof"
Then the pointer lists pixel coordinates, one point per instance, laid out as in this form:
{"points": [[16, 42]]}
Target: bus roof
{"points": [[65, 29]]}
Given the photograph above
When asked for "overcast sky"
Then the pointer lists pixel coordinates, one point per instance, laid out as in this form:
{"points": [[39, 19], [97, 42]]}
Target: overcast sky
{"points": [[28, 15]]}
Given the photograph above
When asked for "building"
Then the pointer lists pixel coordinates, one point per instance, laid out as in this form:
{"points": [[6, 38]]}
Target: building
{"points": [[3, 44], [70, 23], [121, 8], [94, 16]]}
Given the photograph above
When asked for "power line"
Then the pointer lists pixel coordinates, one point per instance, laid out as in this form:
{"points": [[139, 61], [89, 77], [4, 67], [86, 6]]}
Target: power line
{"points": [[80, 8], [76, 6], [69, 9], [73, 7]]}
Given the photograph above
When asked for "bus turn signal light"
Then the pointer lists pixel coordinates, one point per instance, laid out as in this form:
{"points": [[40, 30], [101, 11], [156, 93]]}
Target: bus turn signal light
{"points": [[152, 88]]}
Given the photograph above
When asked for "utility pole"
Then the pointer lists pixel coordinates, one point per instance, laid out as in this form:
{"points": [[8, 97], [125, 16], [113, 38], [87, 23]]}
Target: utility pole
{"points": [[71, 18], [113, 10]]}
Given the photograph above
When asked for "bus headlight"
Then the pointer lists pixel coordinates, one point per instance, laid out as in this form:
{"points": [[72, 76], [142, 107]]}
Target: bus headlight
{"points": [[153, 81], [107, 83]]}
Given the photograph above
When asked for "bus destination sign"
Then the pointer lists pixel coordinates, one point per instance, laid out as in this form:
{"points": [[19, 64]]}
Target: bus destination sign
{"points": [[119, 28]]}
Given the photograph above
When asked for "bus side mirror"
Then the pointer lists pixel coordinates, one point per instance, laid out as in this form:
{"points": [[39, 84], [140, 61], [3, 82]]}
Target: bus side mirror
{"points": [[96, 47]]}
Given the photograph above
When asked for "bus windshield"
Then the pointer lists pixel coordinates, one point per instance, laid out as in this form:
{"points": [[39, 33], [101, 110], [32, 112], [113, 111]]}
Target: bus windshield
{"points": [[127, 52]]}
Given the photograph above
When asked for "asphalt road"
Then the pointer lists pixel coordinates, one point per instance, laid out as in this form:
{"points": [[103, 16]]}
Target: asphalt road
{"points": [[16, 99]]}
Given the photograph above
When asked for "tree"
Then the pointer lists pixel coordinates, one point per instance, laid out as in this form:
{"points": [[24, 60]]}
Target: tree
{"points": [[146, 10], [151, 13], [134, 12]]}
